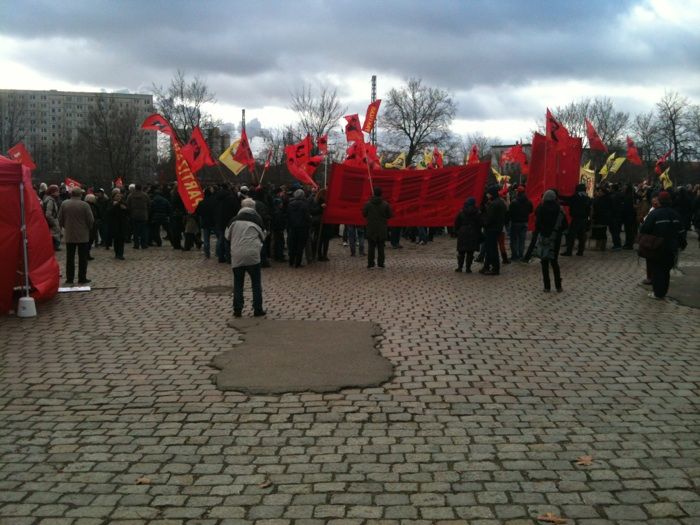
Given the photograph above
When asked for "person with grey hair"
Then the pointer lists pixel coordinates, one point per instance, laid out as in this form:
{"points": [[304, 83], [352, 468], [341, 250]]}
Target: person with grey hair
{"points": [[76, 219], [550, 222], [246, 235], [298, 223]]}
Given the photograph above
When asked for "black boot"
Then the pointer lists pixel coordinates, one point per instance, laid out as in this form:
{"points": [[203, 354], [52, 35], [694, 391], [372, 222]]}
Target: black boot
{"points": [[460, 262]]}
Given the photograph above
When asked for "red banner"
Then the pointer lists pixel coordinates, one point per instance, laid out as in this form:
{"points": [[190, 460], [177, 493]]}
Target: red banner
{"points": [[71, 183], [553, 165], [353, 130], [417, 197], [371, 116], [196, 151], [187, 184]]}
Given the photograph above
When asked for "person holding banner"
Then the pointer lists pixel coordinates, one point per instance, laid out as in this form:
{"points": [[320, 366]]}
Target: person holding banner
{"points": [[377, 212]]}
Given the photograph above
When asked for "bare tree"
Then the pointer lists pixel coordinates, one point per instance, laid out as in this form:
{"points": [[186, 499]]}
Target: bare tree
{"points": [[647, 138], [608, 122], [417, 116], [694, 128], [673, 113], [13, 121], [483, 143], [114, 141], [318, 113], [182, 104]]}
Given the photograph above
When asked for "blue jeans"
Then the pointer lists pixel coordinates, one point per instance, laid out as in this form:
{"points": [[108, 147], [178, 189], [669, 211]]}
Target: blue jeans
{"points": [[518, 231], [206, 244], [356, 233], [238, 284]]}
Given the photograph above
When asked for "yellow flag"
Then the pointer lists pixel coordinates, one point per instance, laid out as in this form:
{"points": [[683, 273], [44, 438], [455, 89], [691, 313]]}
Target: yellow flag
{"points": [[226, 158], [398, 163], [616, 164], [426, 161], [499, 176], [665, 179], [587, 166], [606, 167]]}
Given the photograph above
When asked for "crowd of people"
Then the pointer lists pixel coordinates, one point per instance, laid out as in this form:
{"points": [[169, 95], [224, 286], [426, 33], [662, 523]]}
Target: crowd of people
{"points": [[249, 227]]}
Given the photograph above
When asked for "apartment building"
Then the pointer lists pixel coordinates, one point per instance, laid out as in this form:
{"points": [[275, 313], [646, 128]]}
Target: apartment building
{"points": [[48, 121]]}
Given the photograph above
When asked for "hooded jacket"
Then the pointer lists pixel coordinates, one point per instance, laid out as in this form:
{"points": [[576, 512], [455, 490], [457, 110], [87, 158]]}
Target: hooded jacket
{"points": [[246, 236]]}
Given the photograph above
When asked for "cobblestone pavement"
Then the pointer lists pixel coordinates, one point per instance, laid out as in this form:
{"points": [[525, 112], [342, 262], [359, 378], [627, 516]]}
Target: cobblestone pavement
{"points": [[108, 413]]}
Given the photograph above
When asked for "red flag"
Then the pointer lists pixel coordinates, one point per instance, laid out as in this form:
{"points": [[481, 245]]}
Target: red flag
{"points": [[119, 183], [371, 116], [632, 153], [71, 183], [555, 130], [322, 143], [594, 141], [158, 123], [353, 130], [473, 155], [296, 170], [437, 158], [187, 184], [196, 151], [659, 168], [243, 154], [310, 166], [302, 150], [19, 153]]}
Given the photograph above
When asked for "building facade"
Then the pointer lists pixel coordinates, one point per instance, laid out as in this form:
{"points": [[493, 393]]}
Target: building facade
{"points": [[50, 123]]}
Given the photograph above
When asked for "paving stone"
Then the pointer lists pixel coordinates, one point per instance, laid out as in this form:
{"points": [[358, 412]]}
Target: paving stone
{"points": [[497, 389]]}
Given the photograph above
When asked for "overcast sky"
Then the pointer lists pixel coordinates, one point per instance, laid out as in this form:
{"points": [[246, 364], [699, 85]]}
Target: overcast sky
{"points": [[503, 61]]}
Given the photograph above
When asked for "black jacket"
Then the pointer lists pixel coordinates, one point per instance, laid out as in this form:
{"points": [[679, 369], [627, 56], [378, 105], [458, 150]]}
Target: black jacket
{"points": [[206, 211], [666, 223], [520, 209], [495, 217], [298, 214], [468, 229]]}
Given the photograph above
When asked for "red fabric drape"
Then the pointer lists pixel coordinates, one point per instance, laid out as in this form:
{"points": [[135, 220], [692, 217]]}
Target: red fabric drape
{"points": [[43, 267], [417, 197]]}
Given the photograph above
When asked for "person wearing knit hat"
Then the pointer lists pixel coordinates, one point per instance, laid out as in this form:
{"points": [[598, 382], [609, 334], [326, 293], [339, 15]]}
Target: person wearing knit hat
{"points": [[665, 223], [550, 222]]}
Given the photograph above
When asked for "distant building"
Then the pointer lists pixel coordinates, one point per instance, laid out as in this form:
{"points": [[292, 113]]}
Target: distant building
{"points": [[48, 120]]}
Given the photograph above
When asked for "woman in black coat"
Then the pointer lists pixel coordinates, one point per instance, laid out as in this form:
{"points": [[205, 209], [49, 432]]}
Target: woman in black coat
{"points": [[118, 220], [550, 222], [469, 236]]}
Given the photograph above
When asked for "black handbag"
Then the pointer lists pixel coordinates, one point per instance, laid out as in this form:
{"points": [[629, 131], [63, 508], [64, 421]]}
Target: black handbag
{"points": [[650, 246]]}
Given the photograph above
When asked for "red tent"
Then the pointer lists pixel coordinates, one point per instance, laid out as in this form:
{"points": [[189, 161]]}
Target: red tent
{"points": [[43, 268]]}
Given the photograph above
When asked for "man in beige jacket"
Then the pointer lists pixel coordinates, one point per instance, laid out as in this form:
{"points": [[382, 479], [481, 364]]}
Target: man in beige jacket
{"points": [[76, 219]]}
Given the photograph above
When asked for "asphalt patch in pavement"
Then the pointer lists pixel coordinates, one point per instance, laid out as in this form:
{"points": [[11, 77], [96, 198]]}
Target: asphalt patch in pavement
{"points": [[685, 287], [280, 356]]}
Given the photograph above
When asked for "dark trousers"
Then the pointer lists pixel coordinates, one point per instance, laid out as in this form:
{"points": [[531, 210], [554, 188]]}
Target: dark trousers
{"points": [[372, 247], [323, 244], [395, 236], [615, 227], [661, 274], [176, 232], [531, 246], [460, 260], [577, 231], [278, 245], [545, 273], [630, 233], [156, 225], [83, 250], [140, 234], [118, 246], [297, 243], [238, 283], [492, 262]]}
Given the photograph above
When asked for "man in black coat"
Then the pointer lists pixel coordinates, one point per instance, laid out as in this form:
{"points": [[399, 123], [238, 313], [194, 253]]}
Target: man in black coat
{"points": [[161, 210], [666, 223], [227, 206], [519, 212], [494, 220], [298, 223], [580, 211]]}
